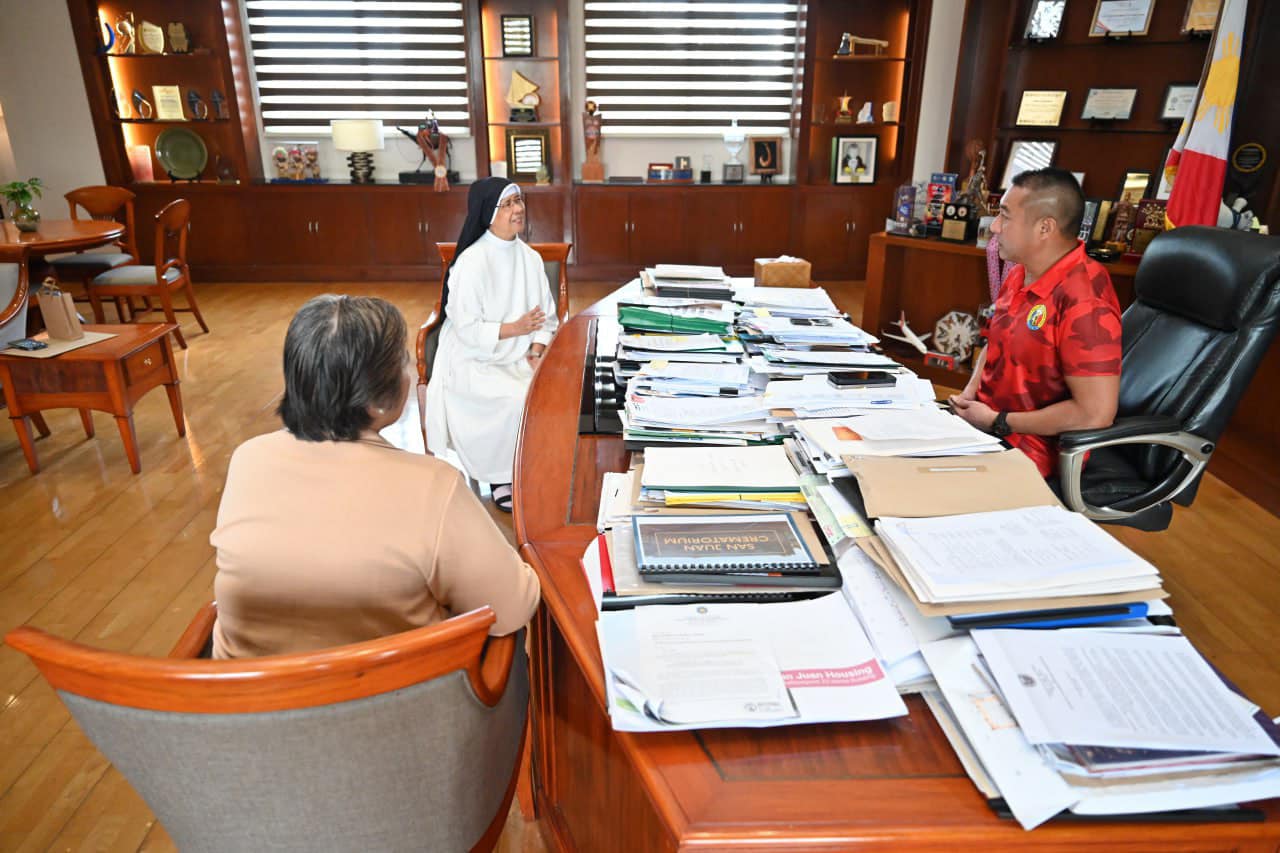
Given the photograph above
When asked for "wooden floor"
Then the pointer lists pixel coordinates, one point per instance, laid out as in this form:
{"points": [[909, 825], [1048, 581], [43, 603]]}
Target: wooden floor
{"points": [[118, 561]]}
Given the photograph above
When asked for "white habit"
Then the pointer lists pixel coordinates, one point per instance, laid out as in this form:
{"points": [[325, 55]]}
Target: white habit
{"points": [[478, 384]]}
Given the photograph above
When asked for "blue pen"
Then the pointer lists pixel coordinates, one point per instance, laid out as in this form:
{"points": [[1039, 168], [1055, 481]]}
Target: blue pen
{"points": [[881, 402]]}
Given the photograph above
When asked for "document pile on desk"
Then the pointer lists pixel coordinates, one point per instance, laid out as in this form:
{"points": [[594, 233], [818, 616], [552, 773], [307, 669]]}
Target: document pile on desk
{"points": [[684, 280], [1100, 722]]}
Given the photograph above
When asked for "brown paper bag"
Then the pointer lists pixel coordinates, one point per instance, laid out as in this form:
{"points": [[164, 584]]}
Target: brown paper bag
{"points": [[60, 318]]}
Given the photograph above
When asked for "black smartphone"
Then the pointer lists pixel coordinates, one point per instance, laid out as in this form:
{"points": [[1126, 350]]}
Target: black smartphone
{"points": [[860, 378]]}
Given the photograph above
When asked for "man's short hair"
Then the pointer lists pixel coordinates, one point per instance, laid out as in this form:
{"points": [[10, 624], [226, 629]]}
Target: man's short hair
{"points": [[1054, 193], [342, 354]]}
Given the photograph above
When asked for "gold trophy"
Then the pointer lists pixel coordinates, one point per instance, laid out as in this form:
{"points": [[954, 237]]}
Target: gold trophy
{"points": [[523, 98]]}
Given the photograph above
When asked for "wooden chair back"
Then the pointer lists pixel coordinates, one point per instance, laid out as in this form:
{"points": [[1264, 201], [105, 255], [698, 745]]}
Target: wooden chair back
{"points": [[172, 226], [107, 203], [552, 253], [17, 254], [119, 694]]}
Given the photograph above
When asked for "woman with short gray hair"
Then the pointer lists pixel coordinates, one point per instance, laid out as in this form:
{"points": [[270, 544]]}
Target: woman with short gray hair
{"points": [[327, 534]]}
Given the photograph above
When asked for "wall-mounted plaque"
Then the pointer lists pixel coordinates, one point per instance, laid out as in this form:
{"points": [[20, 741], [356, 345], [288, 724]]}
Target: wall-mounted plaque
{"points": [[1109, 104], [1201, 16], [527, 152], [1045, 20], [1041, 108], [168, 103], [150, 38], [1026, 155], [1120, 18], [1248, 158], [1178, 99], [517, 35]]}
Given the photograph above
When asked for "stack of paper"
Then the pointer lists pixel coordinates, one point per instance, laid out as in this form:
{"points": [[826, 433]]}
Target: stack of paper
{"points": [[756, 665], [1041, 552], [740, 420], [714, 470], [685, 280], [922, 431], [674, 378], [702, 348], [805, 330], [1013, 702], [789, 302], [814, 397], [775, 360], [677, 316]]}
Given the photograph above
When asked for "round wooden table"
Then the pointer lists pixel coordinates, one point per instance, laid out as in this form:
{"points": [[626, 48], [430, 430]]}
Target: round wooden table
{"points": [[55, 236]]}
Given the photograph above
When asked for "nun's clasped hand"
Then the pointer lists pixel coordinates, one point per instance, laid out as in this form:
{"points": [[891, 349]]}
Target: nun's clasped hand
{"points": [[527, 324]]}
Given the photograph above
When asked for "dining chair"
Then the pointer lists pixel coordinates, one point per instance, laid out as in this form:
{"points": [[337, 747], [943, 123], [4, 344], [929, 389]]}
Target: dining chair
{"points": [[168, 275], [14, 289], [108, 203], [555, 259], [406, 742]]}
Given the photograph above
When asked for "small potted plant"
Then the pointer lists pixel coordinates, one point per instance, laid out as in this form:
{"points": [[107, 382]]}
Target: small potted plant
{"points": [[20, 194]]}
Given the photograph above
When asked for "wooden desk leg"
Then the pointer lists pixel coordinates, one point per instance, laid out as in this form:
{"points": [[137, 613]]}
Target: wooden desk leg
{"points": [[171, 388], [86, 418], [41, 426], [130, 438], [23, 427]]}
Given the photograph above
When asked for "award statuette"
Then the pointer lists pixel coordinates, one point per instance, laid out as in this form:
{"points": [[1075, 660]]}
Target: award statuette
{"points": [[734, 171], [142, 106], [118, 109], [199, 109], [108, 36], [179, 38], [126, 36], [845, 47], [150, 38], [219, 102], [844, 115], [523, 98]]}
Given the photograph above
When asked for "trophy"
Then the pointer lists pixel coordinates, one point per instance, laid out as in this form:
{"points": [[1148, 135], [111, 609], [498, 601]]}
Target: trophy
{"points": [[179, 38], [844, 115], [864, 114], [734, 138], [975, 186], [846, 47], [199, 109], [523, 98], [142, 106], [117, 109], [150, 38], [108, 36], [593, 168], [125, 33], [219, 102]]}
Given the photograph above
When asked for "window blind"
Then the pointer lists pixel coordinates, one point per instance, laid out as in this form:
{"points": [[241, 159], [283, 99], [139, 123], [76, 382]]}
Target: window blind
{"points": [[688, 68], [318, 60]]}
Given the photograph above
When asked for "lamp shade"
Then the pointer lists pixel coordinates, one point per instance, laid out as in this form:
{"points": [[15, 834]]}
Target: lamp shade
{"points": [[357, 134]]}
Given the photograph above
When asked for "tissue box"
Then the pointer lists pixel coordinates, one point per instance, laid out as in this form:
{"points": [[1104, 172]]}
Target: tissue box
{"points": [[771, 273]]}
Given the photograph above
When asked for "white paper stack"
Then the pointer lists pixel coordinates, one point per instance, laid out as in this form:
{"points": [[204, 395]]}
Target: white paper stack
{"points": [[924, 431], [1030, 553], [806, 330], [814, 396], [674, 378], [789, 302]]}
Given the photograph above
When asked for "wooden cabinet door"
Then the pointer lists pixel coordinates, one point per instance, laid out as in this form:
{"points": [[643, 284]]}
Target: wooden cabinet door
{"points": [[442, 218], [544, 215], [396, 230], [826, 229], [712, 220], [280, 224], [602, 226], [764, 225], [219, 230], [658, 227], [341, 235]]}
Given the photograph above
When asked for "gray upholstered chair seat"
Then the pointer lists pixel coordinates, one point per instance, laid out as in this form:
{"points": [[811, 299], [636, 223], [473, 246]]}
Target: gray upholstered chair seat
{"points": [[88, 261], [135, 274]]}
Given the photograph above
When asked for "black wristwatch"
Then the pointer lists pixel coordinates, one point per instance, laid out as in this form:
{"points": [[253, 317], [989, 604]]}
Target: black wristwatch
{"points": [[1000, 426]]}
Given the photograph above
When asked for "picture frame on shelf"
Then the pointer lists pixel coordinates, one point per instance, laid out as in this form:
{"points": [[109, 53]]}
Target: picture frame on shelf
{"points": [[682, 163], [853, 159], [1109, 104], [766, 155], [1133, 186], [528, 150], [1201, 17], [1026, 155], [1041, 108], [168, 103], [1044, 21], [517, 35], [659, 172], [1121, 18], [1178, 99]]}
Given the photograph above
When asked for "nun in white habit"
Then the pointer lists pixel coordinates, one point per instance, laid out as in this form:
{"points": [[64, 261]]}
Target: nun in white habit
{"points": [[499, 316]]}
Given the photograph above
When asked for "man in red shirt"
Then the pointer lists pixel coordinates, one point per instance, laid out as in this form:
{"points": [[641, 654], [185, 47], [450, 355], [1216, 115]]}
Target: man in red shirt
{"points": [[1052, 361]]}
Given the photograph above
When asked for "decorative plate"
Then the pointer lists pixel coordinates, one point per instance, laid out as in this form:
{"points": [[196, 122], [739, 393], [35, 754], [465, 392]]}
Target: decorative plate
{"points": [[955, 334], [182, 153]]}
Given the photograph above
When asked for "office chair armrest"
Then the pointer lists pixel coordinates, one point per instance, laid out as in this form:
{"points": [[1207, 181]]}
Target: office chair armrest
{"points": [[1074, 446], [199, 634], [1122, 428]]}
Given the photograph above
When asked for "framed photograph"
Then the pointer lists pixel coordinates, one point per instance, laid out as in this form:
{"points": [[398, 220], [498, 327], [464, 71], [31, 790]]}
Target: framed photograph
{"points": [[1133, 187], [1121, 18], [527, 151], [1201, 16], [1041, 108], [1026, 155], [766, 154], [1109, 104], [659, 172], [853, 159], [517, 35], [683, 163], [1045, 20], [1178, 99]]}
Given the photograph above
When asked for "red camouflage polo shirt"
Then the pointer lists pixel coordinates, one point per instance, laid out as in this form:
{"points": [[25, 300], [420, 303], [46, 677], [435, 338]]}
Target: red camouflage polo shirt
{"points": [[1067, 323]]}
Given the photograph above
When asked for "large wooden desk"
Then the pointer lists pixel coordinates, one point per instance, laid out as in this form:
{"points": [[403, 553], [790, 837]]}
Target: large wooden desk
{"points": [[890, 785]]}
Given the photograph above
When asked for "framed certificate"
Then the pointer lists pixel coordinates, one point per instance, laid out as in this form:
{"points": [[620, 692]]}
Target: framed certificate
{"points": [[1133, 187], [1109, 104], [1121, 18], [1026, 155], [1041, 108], [168, 103], [1178, 99], [1201, 16]]}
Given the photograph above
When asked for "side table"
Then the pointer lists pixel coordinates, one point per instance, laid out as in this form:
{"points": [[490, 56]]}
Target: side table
{"points": [[109, 376]]}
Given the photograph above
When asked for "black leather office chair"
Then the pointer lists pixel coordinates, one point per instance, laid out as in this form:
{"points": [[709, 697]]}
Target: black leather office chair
{"points": [[1206, 303]]}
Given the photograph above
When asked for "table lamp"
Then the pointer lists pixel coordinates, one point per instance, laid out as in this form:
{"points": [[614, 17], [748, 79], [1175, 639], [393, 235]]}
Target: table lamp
{"points": [[359, 136]]}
